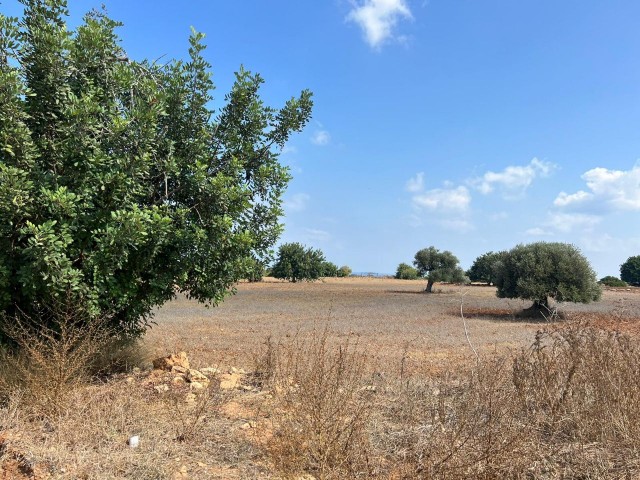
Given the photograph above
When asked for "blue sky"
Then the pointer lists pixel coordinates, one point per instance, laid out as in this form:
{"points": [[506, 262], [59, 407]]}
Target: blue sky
{"points": [[463, 124]]}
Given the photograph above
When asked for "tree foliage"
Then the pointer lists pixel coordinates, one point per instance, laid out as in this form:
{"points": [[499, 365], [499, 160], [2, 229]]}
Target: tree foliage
{"points": [[611, 281], [485, 268], [437, 266], [118, 182], [329, 269], [543, 270], [406, 272], [296, 262], [630, 270], [344, 271]]}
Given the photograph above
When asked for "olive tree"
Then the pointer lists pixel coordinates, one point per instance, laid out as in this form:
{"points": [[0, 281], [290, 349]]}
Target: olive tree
{"points": [[542, 270], [630, 270], [119, 183], [296, 262], [437, 266], [485, 267]]}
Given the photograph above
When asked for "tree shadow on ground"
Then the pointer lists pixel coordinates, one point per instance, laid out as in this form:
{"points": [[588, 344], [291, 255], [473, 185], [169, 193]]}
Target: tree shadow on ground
{"points": [[421, 292], [527, 315]]}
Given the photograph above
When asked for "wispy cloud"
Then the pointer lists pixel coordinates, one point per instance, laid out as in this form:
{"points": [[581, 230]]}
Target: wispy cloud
{"points": [[289, 149], [321, 138], [459, 225], [609, 189], [568, 222], [514, 180], [538, 232], [415, 184], [296, 203], [378, 19], [316, 235], [444, 199], [565, 223]]}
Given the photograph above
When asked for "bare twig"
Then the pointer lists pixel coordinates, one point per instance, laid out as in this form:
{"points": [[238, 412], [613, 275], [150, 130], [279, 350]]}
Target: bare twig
{"points": [[464, 322]]}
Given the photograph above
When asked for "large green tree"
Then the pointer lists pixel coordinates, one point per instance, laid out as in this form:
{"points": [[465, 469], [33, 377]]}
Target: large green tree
{"points": [[296, 262], [542, 270], [119, 182], [485, 267], [630, 270], [437, 266]]}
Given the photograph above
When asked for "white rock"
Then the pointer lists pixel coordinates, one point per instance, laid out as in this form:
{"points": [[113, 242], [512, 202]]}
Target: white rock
{"points": [[134, 441]]}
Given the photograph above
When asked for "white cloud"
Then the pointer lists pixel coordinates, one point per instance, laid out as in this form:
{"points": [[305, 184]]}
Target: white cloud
{"points": [[457, 225], [415, 184], [600, 243], [444, 199], [565, 223], [321, 138], [378, 19], [315, 235], [612, 189], [296, 203], [564, 199], [513, 180], [568, 222], [538, 232]]}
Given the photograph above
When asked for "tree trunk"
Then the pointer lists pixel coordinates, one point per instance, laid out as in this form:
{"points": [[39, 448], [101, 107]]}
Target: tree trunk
{"points": [[541, 306], [429, 288]]}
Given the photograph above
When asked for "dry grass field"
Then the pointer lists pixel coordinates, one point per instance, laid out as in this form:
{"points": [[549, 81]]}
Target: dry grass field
{"points": [[350, 378], [387, 316]]}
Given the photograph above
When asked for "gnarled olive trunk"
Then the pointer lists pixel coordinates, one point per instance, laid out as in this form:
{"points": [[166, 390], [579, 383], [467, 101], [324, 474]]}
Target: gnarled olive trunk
{"points": [[429, 288]]}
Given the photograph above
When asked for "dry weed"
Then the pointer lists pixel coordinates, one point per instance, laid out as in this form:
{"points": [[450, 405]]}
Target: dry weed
{"points": [[50, 362], [321, 408], [567, 407]]}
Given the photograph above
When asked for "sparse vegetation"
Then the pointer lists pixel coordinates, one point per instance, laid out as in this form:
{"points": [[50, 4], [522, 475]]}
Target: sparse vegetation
{"points": [[315, 402], [321, 408]]}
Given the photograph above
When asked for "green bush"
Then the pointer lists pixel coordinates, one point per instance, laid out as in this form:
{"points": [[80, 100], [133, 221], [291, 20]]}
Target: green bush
{"points": [[406, 272], [118, 183], [344, 271], [611, 281]]}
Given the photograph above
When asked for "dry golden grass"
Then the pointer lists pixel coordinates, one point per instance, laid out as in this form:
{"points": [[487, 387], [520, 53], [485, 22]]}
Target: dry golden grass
{"points": [[362, 378]]}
